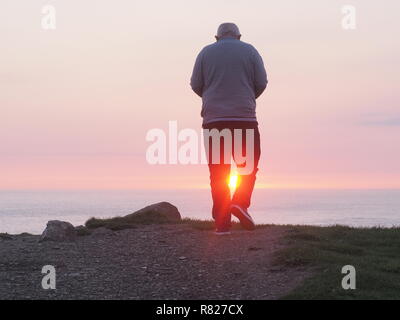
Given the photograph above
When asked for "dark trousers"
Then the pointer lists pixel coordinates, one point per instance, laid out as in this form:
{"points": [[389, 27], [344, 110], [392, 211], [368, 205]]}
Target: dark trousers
{"points": [[220, 172]]}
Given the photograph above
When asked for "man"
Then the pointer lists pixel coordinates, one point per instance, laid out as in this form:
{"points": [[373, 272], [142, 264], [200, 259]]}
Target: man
{"points": [[229, 75]]}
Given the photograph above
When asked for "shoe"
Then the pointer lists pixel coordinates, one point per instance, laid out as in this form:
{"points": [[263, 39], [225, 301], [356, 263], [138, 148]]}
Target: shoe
{"points": [[245, 220], [222, 232]]}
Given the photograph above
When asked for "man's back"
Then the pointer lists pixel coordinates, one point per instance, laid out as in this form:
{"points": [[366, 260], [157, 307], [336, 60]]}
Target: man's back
{"points": [[229, 75]]}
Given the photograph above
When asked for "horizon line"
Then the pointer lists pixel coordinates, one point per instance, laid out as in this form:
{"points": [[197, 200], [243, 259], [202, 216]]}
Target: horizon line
{"points": [[195, 188]]}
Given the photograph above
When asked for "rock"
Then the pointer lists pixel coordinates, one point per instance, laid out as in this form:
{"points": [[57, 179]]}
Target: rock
{"points": [[159, 212], [58, 231], [101, 231]]}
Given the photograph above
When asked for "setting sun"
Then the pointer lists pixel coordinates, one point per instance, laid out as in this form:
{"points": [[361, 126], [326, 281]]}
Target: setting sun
{"points": [[233, 181]]}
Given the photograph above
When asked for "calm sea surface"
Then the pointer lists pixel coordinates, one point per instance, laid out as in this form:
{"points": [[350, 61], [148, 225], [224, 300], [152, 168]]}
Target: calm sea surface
{"points": [[28, 211]]}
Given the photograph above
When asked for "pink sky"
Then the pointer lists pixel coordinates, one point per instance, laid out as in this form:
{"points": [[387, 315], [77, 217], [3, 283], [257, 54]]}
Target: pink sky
{"points": [[76, 102]]}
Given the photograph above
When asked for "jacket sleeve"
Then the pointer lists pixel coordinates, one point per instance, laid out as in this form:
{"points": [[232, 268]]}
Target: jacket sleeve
{"points": [[260, 75], [197, 81]]}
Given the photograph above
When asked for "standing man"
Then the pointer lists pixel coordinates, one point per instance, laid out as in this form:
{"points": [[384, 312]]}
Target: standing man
{"points": [[229, 75]]}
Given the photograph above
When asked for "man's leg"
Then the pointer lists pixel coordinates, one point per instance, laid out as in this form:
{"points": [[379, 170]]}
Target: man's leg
{"points": [[219, 175], [242, 196]]}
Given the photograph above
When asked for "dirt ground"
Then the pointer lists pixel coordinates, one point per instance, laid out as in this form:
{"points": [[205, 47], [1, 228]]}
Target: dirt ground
{"points": [[149, 262]]}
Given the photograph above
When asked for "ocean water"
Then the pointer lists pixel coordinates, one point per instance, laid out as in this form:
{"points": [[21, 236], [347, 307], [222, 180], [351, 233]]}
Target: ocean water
{"points": [[29, 211]]}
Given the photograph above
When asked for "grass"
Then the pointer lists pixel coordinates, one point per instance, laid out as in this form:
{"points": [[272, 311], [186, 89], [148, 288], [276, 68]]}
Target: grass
{"points": [[209, 225], [82, 231], [206, 225], [133, 221], [375, 254], [127, 222], [5, 236]]}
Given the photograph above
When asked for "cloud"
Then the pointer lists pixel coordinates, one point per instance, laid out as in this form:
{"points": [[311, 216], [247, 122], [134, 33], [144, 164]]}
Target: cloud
{"points": [[381, 120]]}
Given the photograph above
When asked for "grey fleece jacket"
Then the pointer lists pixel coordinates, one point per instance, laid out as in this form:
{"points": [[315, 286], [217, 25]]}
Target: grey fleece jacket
{"points": [[229, 75]]}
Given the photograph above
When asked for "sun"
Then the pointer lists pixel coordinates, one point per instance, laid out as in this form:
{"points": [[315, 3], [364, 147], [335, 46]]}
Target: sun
{"points": [[233, 181]]}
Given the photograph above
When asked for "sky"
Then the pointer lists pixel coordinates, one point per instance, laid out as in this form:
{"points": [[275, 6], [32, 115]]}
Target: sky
{"points": [[77, 102]]}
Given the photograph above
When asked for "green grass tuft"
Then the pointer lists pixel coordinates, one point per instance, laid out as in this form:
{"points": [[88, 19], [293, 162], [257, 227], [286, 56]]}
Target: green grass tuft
{"points": [[82, 231], [127, 222], [373, 252], [209, 225], [5, 236]]}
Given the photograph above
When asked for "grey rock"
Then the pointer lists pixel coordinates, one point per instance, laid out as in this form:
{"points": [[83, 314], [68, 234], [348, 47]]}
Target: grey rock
{"points": [[161, 212], [58, 231]]}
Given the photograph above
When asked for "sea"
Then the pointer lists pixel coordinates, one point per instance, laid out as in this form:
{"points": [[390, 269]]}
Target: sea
{"points": [[29, 211]]}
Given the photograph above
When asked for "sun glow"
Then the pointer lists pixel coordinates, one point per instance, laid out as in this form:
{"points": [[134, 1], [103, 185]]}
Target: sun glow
{"points": [[233, 181]]}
